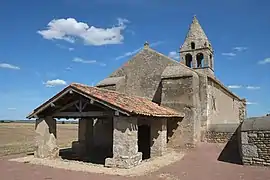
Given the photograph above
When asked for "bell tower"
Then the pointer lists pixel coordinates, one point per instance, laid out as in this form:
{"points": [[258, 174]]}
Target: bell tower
{"points": [[197, 52]]}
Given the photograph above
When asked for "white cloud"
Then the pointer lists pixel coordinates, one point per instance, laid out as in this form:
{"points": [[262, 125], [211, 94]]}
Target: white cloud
{"points": [[9, 66], [240, 49], [156, 43], [251, 103], [68, 68], [234, 86], [131, 32], [64, 47], [127, 54], [102, 64], [174, 55], [265, 61], [130, 53], [253, 87], [12, 109], [228, 54], [80, 60], [55, 82], [71, 30]]}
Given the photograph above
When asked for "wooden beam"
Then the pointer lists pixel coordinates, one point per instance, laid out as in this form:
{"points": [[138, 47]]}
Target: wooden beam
{"points": [[49, 103], [67, 105], [81, 114], [103, 103]]}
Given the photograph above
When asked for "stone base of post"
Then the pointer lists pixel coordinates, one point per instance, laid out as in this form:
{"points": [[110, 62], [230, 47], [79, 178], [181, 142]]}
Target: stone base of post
{"points": [[124, 162]]}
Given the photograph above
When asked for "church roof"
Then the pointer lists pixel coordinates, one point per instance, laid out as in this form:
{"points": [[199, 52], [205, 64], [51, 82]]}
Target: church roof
{"points": [[196, 34], [196, 30], [130, 105]]}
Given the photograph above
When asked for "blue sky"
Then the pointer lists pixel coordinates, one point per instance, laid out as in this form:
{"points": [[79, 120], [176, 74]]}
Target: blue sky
{"points": [[47, 44]]}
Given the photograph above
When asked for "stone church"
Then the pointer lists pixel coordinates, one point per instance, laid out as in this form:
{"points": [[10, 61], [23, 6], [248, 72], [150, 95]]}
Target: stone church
{"points": [[149, 104]]}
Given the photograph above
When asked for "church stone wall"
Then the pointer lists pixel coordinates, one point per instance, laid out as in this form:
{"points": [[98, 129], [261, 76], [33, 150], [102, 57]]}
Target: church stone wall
{"points": [[222, 107], [223, 112], [180, 91], [143, 74]]}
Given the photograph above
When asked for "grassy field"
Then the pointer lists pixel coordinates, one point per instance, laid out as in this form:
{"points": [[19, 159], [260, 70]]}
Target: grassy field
{"points": [[17, 138]]}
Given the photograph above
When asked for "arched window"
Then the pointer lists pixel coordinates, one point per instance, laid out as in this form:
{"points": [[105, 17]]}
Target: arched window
{"points": [[200, 60], [188, 58], [192, 45]]}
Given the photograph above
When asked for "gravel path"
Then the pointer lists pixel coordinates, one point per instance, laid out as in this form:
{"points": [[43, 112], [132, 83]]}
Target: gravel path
{"points": [[199, 164]]}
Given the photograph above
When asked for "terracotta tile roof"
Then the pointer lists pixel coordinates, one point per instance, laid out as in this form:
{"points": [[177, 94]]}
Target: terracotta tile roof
{"points": [[130, 104]]}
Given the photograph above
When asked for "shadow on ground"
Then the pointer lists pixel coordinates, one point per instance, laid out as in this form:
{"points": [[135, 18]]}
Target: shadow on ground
{"points": [[96, 158], [231, 151]]}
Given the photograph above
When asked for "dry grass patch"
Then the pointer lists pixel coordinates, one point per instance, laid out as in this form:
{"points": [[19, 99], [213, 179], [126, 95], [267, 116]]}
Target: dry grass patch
{"points": [[17, 138]]}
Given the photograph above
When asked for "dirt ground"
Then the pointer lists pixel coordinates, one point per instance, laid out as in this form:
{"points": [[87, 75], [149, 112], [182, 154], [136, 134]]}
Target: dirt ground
{"points": [[199, 164], [16, 138]]}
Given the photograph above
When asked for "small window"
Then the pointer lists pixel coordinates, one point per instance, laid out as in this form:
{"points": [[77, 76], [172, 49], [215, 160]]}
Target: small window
{"points": [[192, 45]]}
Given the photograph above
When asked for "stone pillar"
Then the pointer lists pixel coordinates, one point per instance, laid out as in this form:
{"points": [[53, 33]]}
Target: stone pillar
{"points": [[125, 143], [158, 137], [79, 146], [82, 130], [46, 146], [89, 135]]}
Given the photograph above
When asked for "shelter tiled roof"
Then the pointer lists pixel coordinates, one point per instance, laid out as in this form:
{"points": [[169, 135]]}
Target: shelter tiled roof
{"points": [[130, 104]]}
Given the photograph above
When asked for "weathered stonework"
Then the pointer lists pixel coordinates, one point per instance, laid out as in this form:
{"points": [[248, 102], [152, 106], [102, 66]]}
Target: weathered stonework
{"points": [[218, 137], [255, 141], [195, 44], [158, 136], [46, 146], [180, 91], [125, 144], [221, 133]]}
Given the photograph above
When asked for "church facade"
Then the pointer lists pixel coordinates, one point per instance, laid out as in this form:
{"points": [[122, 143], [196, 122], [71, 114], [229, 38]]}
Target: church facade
{"points": [[149, 104], [189, 86]]}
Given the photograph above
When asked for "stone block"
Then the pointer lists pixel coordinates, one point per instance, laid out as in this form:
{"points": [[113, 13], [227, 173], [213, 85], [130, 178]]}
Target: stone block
{"points": [[266, 163], [158, 136], [249, 150], [46, 146], [125, 162], [252, 135], [244, 137], [258, 159]]}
